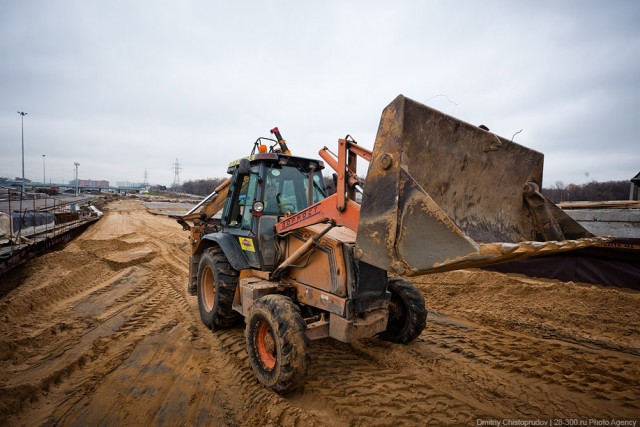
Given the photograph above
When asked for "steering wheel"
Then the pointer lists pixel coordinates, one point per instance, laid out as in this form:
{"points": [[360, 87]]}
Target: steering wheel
{"points": [[282, 206], [287, 207]]}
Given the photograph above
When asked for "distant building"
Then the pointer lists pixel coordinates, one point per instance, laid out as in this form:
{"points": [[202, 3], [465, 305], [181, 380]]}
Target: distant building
{"points": [[90, 183], [128, 184]]}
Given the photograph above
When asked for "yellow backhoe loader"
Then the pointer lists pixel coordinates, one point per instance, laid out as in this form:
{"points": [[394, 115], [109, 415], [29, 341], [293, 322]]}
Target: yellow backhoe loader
{"points": [[299, 265]]}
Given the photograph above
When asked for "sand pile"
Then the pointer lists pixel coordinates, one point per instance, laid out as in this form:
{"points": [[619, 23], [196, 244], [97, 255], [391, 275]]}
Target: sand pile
{"points": [[102, 332]]}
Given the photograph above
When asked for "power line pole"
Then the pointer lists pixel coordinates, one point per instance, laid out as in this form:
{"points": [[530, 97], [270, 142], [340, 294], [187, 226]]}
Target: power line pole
{"points": [[44, 174], [176, 174], [77, 181], [146, 179], [22, 113]]}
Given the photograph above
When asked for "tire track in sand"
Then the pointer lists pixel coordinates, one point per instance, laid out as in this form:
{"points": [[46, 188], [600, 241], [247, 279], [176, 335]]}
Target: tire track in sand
{"points": [[127, 347], [105, 312]]}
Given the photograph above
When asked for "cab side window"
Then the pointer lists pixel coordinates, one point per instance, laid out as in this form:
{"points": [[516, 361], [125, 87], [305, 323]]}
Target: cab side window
{"points": [[238, 205], [272, 194], [249, 198]]}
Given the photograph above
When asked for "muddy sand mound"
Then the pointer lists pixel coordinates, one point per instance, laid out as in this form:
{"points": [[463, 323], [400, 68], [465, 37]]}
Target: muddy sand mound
{"points": [[102, 332]]}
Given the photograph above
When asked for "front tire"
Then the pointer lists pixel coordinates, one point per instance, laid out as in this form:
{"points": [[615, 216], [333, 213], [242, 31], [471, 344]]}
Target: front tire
{"points": [[407, 312], [217, 282], [277, 343]]}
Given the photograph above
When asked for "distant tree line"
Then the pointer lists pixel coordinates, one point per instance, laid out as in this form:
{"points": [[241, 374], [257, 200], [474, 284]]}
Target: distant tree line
{"points": [[201, 187], [591, 191], [49, 191]]}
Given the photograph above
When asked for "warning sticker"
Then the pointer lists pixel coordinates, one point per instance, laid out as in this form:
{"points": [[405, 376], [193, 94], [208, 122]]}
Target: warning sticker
{"points": [[246, 244]]}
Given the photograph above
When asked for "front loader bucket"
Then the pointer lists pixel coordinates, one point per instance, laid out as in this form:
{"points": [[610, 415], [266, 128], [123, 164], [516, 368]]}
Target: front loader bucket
{"points": [[442, 194]]}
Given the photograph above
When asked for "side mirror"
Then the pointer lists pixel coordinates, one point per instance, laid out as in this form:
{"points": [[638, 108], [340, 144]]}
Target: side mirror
{"points": [[244, 167]]}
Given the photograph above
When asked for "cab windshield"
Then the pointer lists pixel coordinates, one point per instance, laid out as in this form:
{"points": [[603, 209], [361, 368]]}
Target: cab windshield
{"points": [[286, 189]]}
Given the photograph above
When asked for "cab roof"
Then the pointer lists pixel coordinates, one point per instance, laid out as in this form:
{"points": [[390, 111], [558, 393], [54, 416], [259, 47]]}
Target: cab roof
{"points": [[282, 159]]}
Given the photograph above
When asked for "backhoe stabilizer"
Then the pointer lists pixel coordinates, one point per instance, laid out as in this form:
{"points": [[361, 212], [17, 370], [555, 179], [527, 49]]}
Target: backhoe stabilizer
{"points": [[442, 194]]}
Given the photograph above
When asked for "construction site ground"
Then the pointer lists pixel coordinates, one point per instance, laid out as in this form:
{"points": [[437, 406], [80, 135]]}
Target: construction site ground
{"points": [[103, 332]]}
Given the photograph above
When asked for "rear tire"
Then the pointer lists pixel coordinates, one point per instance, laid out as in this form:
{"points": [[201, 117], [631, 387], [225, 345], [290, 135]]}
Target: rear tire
{"points": [[407, 312], [277, 343], [216, 286]]}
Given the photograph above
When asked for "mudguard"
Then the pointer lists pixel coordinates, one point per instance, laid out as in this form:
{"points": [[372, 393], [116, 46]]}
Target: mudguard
{"points": [[231, 248]]}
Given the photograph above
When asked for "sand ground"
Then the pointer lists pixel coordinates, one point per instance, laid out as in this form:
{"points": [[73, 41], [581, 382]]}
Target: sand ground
{"points": [[102, 332]]}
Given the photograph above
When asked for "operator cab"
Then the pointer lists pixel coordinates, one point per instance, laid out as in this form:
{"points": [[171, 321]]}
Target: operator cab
{"points": [[286, 188], [266, 187]]}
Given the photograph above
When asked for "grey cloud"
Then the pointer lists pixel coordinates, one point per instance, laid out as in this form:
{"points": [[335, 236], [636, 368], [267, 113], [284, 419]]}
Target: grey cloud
{"points": [[124, 86]]}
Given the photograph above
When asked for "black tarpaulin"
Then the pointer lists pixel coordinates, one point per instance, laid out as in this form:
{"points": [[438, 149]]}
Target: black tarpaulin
{"points": [[616, 263]]}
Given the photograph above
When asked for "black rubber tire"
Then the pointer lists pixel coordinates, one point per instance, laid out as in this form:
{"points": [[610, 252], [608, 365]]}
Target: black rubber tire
{"points": [[217, 283], [407, 312], [277, 343]]}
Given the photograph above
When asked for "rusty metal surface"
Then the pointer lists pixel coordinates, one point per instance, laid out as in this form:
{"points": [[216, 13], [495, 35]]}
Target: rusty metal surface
{"points": [[365, 326], [440, 190], [324, 268], [250, 290], [318, 329]]}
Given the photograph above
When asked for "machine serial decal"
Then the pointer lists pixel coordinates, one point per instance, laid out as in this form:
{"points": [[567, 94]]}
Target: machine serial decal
{"points": [[246, 244], [301, 216]]}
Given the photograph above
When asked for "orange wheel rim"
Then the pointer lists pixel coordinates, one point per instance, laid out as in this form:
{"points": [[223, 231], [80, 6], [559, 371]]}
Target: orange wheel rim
{"points": [[265, 345], [208, 289]]}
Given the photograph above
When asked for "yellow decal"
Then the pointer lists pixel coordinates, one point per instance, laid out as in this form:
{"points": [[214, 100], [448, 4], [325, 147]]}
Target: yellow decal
{"points": [[246, 244], [237, 162]]}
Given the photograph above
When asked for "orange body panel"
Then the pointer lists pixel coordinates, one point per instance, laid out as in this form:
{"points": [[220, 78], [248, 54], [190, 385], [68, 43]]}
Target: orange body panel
{"points": [[325, 267], [321, 212], [321, 280]]}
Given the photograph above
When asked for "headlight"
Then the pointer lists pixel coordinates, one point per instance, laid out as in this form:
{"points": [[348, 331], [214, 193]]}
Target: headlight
{"points": [[258, 207]]}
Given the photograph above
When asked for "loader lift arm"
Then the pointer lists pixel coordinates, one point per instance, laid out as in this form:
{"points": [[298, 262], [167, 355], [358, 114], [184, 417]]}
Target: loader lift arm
{"points": [[207, 206], [341, 206]]}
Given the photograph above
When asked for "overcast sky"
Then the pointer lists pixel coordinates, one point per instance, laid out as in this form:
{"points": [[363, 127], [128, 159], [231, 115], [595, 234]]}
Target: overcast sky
{"points": [[124, 86]]}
